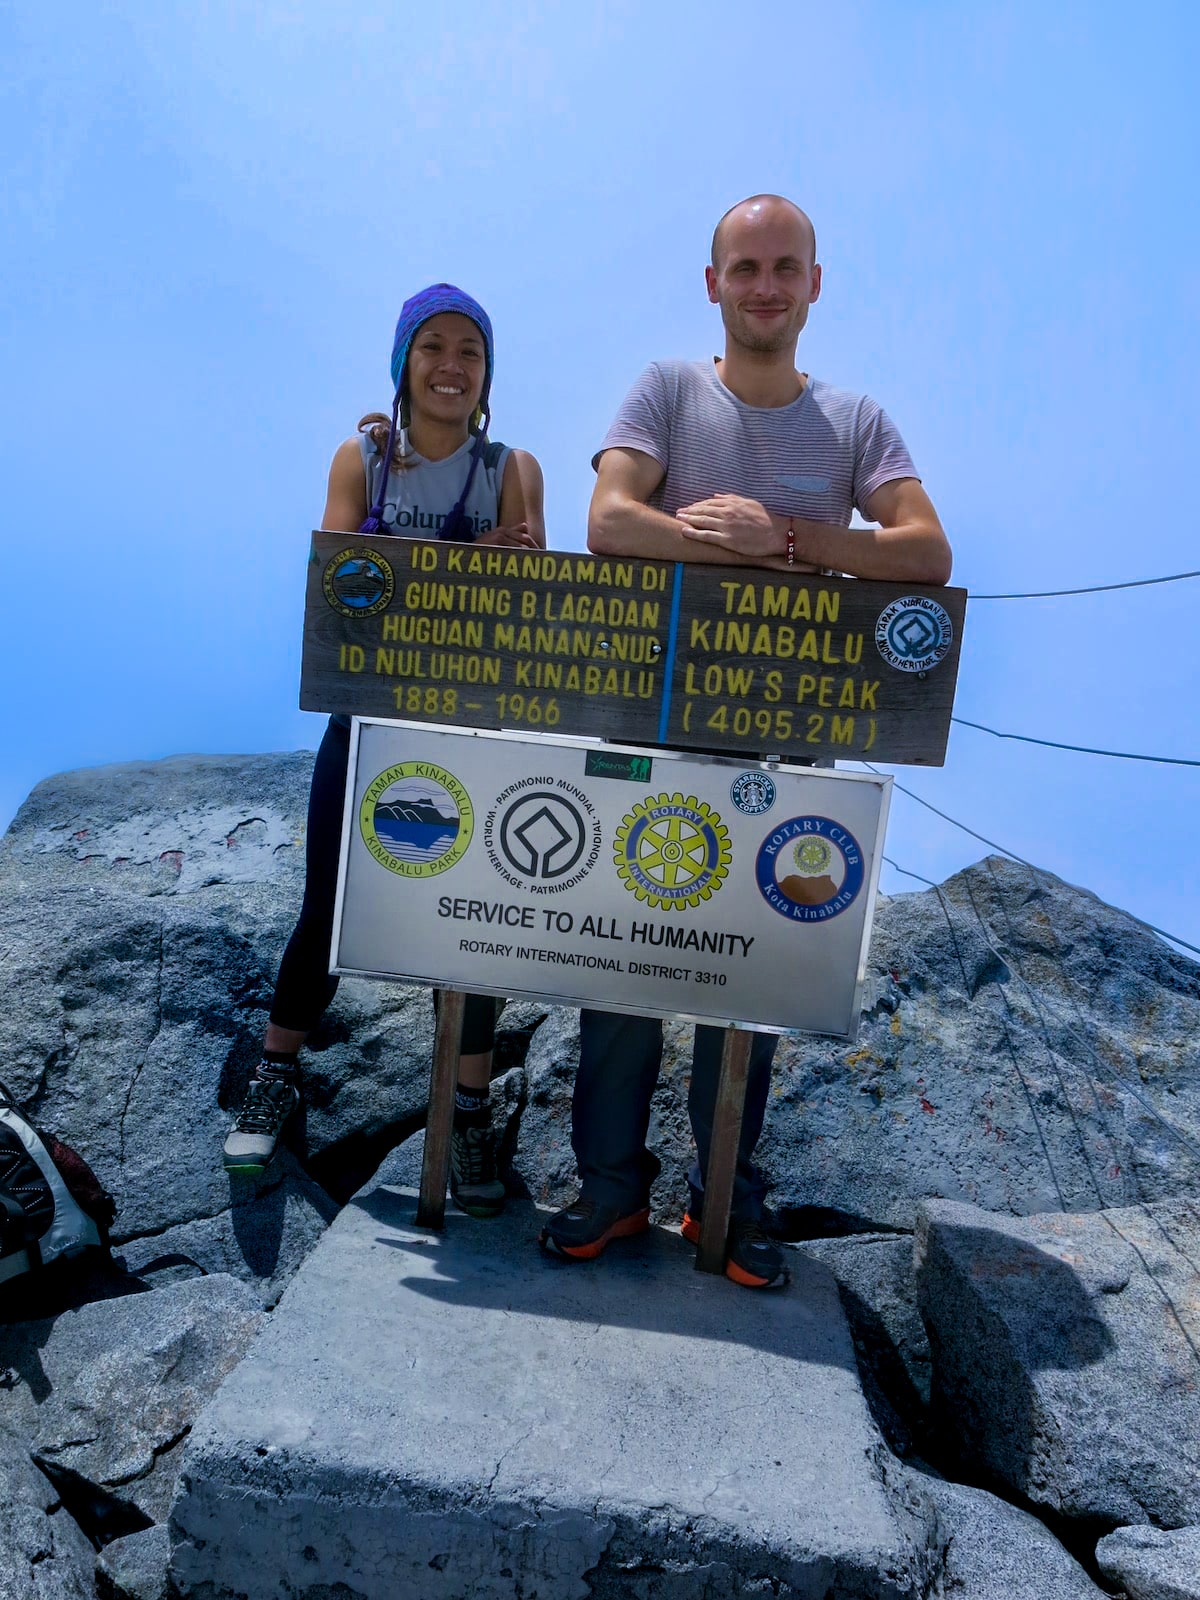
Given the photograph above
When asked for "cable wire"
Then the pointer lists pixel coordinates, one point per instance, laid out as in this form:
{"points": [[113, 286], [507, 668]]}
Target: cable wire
{"points": [[1095, 588], [1005, 851], [1139, 1095], [1079, 749]]}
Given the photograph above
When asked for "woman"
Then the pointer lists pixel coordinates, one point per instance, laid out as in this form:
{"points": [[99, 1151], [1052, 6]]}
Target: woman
{"points": [[438, 458]]}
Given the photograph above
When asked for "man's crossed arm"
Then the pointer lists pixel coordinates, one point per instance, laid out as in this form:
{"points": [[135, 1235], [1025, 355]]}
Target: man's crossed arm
{"points": [[728, 529]]}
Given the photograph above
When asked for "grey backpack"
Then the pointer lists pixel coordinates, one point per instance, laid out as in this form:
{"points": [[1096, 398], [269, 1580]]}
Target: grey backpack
{"points": [[52, 1206]]}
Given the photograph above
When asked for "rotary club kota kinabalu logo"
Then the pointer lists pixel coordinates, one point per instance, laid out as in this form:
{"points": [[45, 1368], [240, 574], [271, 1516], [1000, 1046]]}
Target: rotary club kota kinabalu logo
{"points": [[809, 869]]}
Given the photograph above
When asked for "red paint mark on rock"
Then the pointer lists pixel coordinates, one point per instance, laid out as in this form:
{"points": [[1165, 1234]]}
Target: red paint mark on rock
{"points": [[926, 1106], [82, 834], [172, 859]]}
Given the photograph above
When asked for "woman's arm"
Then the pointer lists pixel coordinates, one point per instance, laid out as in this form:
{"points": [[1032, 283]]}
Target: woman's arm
{"points": [[520, 503], [346, 498]]}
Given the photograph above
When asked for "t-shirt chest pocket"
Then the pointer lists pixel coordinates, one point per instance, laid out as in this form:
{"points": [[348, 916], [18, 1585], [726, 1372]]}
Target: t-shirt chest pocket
{"points": [[818, 496]]}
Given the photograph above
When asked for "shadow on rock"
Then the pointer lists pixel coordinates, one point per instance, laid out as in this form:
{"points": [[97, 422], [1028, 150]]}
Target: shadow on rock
{"points": [[1064, 1350], [981, 1392], [502, 1269]]}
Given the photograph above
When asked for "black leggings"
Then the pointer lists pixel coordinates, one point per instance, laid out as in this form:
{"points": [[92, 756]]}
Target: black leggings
{"points": [[305, 985]]}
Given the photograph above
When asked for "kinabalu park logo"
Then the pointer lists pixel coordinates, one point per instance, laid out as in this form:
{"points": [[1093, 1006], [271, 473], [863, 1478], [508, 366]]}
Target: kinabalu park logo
{"points": [[358, 582], [416, 819]]}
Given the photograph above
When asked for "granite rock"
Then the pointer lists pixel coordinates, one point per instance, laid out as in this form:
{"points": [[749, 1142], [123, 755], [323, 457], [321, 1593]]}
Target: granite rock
{"points": [[261, 1236], [1024, 1047], [1065, 1354], [992, 1550], [107, 1393], [145, 907], [43, 1554], [1153, 1563], [135, 1567], [875, 1276]]}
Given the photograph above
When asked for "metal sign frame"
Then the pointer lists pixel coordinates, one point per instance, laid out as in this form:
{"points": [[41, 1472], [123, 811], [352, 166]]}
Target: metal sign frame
{"points": [[562, 994]]}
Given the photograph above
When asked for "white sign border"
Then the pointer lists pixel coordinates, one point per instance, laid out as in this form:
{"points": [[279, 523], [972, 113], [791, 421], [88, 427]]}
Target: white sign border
{"points": [[657, 753]]}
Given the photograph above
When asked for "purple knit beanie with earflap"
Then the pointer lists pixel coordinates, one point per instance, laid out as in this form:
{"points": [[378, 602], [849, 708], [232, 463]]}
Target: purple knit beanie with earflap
{"points": [[417, 310]]}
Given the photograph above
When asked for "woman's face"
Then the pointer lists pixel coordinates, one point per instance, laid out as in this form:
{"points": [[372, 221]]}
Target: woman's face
{"points": [[447, 363]]}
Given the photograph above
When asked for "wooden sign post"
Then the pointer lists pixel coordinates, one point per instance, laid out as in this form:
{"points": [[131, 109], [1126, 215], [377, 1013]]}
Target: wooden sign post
{"points": [[439, 1122], [722, 1154], [739, 661]]}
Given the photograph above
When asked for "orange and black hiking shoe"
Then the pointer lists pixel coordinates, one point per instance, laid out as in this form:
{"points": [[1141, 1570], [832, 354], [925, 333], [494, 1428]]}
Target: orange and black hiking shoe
{"points": [[751, 1258], [582, 1230]]}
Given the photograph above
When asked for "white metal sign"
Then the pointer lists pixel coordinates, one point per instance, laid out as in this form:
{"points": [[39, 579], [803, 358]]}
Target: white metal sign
{"points": [[632, 879]]}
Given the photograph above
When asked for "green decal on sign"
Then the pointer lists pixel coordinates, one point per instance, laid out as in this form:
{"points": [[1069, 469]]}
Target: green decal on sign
{"points": [[614, 764]]}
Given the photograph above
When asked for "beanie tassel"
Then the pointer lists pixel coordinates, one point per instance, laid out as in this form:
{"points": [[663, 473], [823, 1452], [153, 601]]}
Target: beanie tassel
{"points": [[374, 522]]}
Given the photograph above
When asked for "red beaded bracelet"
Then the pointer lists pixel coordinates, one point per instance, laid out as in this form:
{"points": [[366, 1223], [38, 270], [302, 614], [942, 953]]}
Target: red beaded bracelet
{"points": [[791, 543]]}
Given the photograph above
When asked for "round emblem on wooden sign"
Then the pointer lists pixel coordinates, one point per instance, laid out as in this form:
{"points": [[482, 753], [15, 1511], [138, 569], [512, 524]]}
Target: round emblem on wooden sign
{"points": [[914, 633], [358, 582]]}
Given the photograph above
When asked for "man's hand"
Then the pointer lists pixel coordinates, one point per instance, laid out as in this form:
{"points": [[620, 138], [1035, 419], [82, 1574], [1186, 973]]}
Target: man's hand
{"points": [[518, 535], [735, 523], [732, 521]]}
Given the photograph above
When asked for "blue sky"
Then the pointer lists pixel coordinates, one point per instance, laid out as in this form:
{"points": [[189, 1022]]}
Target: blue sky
{"points": [[212, 213]]}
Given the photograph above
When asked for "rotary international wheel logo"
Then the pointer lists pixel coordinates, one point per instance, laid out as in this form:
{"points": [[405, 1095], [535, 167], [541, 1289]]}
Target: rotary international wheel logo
{"points": [[809, 869], [358, 582], [416, 819], [672, 850]]}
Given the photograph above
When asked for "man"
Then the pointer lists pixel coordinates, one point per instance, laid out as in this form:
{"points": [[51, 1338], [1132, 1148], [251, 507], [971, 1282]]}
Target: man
{"points": [[743, 461]]}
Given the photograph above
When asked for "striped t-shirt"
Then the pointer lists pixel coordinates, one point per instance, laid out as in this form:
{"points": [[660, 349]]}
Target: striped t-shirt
{"points": [[819, 458]]}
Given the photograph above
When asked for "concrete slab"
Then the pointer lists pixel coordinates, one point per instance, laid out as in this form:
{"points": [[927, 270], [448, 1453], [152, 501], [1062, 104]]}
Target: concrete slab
{"points": [[457, 1417]]}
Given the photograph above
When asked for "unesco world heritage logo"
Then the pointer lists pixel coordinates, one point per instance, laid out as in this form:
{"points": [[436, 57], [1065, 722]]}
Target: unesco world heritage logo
{"points": [[672, 851], [914, 633], [416, 819], [809, 869], [546, 839], [358, 582], [753, 793]]}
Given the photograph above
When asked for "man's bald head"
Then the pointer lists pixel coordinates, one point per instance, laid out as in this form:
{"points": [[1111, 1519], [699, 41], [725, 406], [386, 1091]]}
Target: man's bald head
{"points": [[760, 208]]}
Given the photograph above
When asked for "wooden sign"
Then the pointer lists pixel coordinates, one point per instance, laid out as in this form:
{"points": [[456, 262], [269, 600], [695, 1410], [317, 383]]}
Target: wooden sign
{"points": [[685, 655]]}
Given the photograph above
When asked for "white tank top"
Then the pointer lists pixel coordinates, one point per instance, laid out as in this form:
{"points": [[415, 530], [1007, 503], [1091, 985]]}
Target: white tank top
{"points": [[421, 494]]}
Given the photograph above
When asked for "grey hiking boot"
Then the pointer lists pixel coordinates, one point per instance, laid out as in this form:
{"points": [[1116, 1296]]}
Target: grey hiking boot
{"points": [[268, 1104], [475, 1186]]}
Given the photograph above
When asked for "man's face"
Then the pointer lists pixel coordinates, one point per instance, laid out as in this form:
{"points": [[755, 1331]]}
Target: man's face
{"points": [[765, 278]]}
